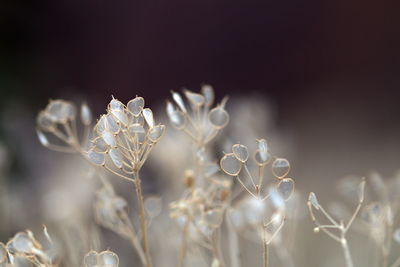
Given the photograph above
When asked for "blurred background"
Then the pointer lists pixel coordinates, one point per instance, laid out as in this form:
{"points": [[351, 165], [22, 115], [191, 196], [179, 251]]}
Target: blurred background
{"points": [[328, 71]]}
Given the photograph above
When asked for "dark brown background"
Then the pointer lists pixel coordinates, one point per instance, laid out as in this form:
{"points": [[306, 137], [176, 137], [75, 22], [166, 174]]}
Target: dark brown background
{"points": [[330, 67]]}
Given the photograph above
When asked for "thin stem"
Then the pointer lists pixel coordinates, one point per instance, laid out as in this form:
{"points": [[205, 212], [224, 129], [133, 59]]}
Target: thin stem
{"points": [[182, 251], [265, 247], [233, 243], [346, 251], [143, 227]]}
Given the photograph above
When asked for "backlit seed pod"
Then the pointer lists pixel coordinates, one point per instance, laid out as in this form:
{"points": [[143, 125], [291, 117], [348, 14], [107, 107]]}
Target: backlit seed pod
{"points": [[196, 100], [22, 243], [42, 138], [96, 158], [230, 164], [136, 105], [179, 101], [280, 167], [313, 200], [240, 152], [108, 259], [208, 94], [148, 116], [155, 133], [86, 114], [286, 188], [218, 117], [44, 122], [262, 158]]}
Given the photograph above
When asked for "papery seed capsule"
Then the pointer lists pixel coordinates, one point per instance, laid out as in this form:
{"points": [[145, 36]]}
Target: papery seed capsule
{"points": [[99, 145], [111, 124], [136, 105], [86, 114], [108, 259], [90, 259], [195, 99], [240, 152], [45, 122], [286, 188], [179, 101], [96, 158], [109, 138], [262, 158], [230, 164], [313, 200], [42, 138], [280, 167], [22, 243], [148, 116], [208, 94], [121, 117], [116, 105], [116, 157], [155, 133], [218, 117]]}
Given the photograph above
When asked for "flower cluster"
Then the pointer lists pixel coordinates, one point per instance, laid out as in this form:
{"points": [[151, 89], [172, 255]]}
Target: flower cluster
{"points": [[201, 122], [23, 250], [57, 126], [125, 135], [103, 259]]}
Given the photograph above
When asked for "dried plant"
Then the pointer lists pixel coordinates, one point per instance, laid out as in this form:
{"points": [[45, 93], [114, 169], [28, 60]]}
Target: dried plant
{"points": [[238, 208]]}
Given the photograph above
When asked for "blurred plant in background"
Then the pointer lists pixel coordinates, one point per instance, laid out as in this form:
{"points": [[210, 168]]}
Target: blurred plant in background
{"points": [[218, 202]]}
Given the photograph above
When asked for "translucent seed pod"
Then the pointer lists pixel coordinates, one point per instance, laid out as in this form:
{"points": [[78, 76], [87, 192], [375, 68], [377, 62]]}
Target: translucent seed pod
{"points": [[240, 152], [262, 146], [136, 105], [86, 114], [312, 198], [108, 259], [286, 188], [109, 138], [90, 259], [101, 124], [138, 132], [45, 122], [179, 101], [208, 94], [280, 167], [155, 133], [57, 110], [116, 157], [148, 116], [96, 158], [121, 117], [115, 105], [111, 124], [230, 164], [218, 117], [42, 138], [98, 145], [262, 158], [22, 243], [196, 100]]}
